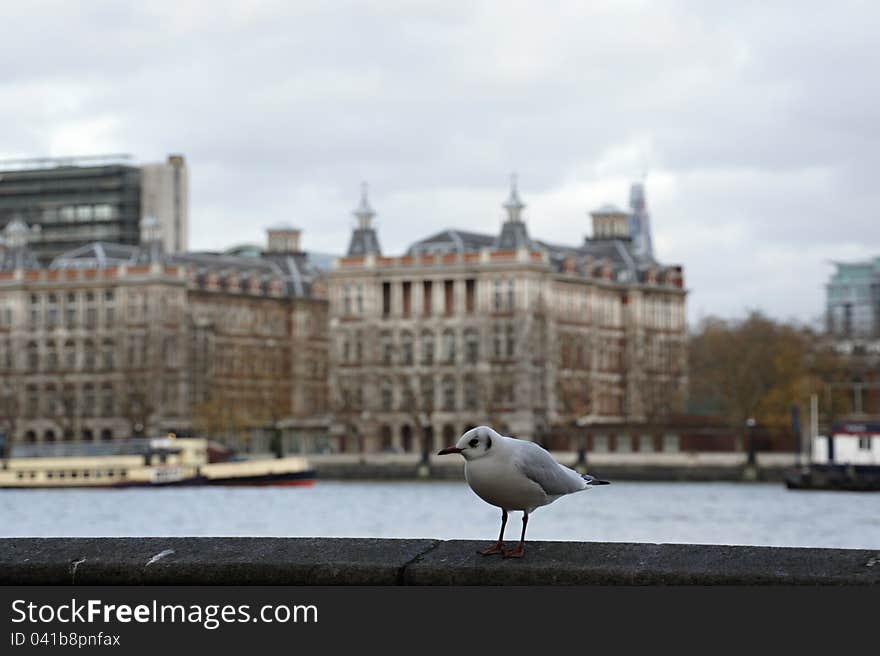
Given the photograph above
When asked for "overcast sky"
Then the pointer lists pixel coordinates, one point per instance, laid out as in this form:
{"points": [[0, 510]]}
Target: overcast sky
{"points": [[757, 125]]}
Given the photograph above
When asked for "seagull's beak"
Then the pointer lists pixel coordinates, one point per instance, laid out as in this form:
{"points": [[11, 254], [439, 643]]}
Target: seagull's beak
{"points": [[448, 450]]}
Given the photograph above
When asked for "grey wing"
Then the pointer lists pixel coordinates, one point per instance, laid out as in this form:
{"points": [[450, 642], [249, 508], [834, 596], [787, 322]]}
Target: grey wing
{"points": [[539, 466]]}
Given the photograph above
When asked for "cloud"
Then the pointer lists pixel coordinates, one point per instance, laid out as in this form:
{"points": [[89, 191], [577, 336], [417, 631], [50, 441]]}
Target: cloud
{"points": [[755, 123]]}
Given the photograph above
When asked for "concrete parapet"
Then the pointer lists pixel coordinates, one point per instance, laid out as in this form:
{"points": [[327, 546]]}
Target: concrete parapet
{"points": [[358, 561]]}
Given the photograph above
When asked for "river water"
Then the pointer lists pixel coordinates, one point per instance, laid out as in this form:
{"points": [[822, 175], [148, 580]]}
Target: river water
{"points": [[707, 513]]}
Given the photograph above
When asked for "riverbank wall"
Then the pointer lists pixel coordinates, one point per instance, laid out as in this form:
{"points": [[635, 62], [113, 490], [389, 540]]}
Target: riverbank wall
{"points": [[345, 561], [769, 467]]}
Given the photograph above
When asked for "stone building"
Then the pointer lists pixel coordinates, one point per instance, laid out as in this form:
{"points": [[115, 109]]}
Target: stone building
{"points": [[532, 337], [113, 340]]}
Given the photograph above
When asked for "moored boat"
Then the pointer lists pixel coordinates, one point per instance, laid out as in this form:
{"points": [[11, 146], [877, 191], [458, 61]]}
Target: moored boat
{"points": [[158, 462], [846, 459]]}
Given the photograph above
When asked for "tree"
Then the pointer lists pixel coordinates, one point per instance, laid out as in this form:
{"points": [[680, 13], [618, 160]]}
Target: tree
{"points": [[755, 368]]}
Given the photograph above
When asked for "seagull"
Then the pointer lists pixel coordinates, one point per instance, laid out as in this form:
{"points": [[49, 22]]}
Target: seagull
{"points": [[514, 474]]}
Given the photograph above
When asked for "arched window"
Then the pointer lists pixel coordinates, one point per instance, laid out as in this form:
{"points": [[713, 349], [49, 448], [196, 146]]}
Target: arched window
{"points": [[88, 435], [49, 436], [427, 347], [385, 437], [449, 345], [30, 437], [106, 435]]}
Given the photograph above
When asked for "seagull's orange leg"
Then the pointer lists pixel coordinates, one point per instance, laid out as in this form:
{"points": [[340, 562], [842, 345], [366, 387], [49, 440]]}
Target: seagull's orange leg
{"points": [[520, 549], [498, 547]]}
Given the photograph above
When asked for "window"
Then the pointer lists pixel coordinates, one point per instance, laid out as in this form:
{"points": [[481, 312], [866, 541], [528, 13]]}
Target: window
{"points": [[32, 401], [33, 357], [109, 359], [51, 356], [449, 297], [471, 393], [427, 388], [387, 347], [427, 348], [497, 296], [671, 443], [646, 443], [406, 351], [427, 298], [511, 340], [624, 443], [448, 393], [600, 443], [88, 402], [472, 345], [406, 298], [52, 311], [449, 345], [70, 310], [83, 212], [387, 394], [89, 355], [864, 443], [359, 299], [386, 299], [69, 354], [91, 310], [498, 348], [469, 295]]}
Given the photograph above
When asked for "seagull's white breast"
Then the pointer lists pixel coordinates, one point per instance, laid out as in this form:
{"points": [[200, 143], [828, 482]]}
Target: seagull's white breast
{"points": [[497, 481]]}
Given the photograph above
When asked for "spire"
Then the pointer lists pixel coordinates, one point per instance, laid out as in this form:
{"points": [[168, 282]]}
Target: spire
{"points": [[514, 205], [640, 221], [364, 213], [364, 240]]}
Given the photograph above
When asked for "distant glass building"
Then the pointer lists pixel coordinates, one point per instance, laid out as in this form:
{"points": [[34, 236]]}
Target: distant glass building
{"points": [[69, 202], [853, 299]]}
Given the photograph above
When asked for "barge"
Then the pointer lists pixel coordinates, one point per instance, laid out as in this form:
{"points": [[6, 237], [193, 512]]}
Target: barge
{"points": [[158, 462]]}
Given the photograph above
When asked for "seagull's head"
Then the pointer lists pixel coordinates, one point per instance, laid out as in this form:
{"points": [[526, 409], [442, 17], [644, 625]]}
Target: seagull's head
{"points": [[475, 443]]}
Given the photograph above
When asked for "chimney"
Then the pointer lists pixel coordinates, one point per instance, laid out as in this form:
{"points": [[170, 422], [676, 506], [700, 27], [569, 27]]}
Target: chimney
{"points": [[283, 239]]}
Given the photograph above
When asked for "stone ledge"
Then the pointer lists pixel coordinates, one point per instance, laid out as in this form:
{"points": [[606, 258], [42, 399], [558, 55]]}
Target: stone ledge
{"points": [[350, 561]]}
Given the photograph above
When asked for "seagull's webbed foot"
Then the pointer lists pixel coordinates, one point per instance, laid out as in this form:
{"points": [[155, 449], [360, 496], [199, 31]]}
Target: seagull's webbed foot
{"points": [[517, 552], [497, 548]]}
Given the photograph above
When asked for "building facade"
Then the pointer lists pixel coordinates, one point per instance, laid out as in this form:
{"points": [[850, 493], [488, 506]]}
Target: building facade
{"points": [[70, 202], [531, 337], [852, 306], [111, 341]]}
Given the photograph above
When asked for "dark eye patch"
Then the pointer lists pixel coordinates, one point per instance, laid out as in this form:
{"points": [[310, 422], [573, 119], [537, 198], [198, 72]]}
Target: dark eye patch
{"points": [[474, 442], [488, 443]]}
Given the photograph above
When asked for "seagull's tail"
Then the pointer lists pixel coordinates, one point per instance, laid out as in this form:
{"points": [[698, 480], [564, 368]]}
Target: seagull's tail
{"points": [[594, 481]]}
